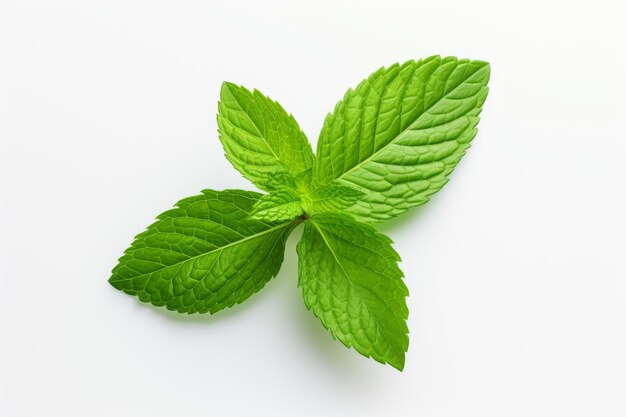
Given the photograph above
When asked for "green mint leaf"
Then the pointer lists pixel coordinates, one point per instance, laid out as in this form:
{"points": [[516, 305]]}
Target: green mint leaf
{"points": [[289, 202], [282, 204], [388, 146], [204, 255], [332, 197], [260, 138], [281, 180], [401, 132], [351, 281], [317, 198]]}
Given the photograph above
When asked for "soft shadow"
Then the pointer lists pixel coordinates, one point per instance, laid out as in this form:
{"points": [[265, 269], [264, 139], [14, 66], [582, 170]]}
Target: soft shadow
{"points": [[412, 216], [208, 319], [320, 348]]}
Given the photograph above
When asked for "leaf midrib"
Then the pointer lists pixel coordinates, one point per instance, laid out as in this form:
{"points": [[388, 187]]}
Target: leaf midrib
{"points": [[237, 242]]}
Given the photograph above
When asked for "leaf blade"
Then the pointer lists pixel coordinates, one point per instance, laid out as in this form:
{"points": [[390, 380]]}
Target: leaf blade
{"points": [[279, 205], [401, 132], [350, 279], [332, 197], [261, 140], [203, 255]]}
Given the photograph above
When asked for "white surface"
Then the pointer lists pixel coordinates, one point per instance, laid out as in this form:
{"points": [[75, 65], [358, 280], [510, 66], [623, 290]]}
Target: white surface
{"points": [[516, 269]]}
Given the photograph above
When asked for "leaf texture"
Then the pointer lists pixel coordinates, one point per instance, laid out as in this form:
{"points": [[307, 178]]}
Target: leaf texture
{"points": [[331, 197], [401, 132], [260, 138], [351, 281], [282, 204], [204, 255]]}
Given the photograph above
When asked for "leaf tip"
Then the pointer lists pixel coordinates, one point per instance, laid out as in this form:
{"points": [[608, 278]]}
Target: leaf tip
{"points": [[484, 65], [398, 361], [114, 282], [227, 88], [399, 365]]}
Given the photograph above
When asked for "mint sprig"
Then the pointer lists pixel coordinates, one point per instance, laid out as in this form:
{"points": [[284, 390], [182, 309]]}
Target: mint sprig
{"points": [[388, 146]]}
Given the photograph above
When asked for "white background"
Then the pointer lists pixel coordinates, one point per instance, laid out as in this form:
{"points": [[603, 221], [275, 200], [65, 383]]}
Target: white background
{"points": [[516, 269]]}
